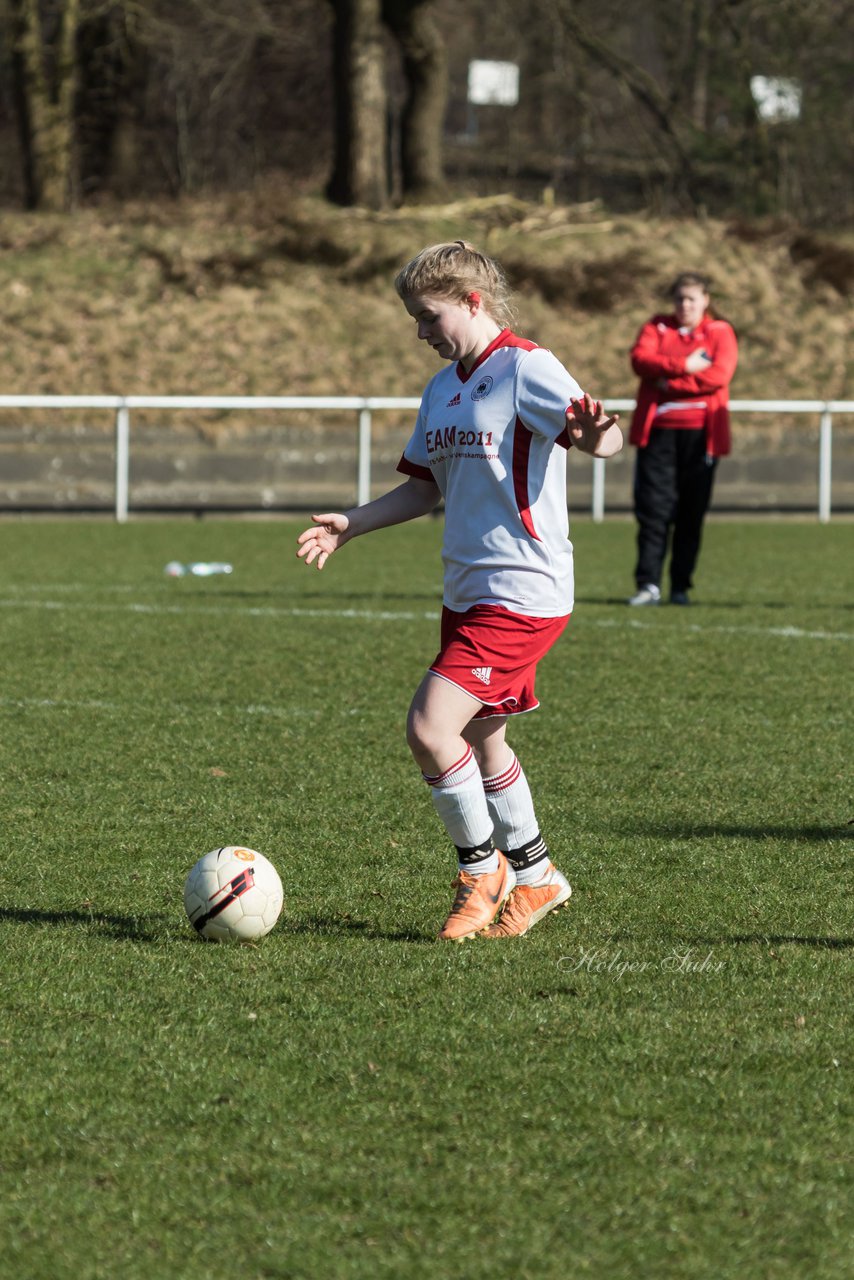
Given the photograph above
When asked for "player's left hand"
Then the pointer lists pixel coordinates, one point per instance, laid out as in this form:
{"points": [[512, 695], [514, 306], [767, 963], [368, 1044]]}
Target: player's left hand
{"points": [[591, 429]]}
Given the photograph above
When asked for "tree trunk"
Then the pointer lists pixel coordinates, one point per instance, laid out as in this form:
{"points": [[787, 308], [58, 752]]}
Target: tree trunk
{"points": [[360, 172], [700, 85], [104, 74], [44, 68], [21, 100], [414, 25]]}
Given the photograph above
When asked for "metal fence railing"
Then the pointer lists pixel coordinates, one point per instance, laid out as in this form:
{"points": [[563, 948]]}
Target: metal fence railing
{"points": [[366, 407]]}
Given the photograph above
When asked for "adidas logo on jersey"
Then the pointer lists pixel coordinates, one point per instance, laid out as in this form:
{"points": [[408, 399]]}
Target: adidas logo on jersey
{"points": [[484, 674], [452, 404]]}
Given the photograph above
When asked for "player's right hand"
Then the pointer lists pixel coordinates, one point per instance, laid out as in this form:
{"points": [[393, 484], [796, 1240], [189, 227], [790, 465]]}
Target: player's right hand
{"points": [[329, 532]]}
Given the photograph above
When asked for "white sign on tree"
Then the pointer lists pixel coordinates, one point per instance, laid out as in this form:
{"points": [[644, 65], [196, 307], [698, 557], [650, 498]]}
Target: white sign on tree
{"points": [[493, 84], [777, 98]]}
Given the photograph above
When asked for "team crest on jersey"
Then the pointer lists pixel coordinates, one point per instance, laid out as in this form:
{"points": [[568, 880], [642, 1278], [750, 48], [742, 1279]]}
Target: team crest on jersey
{"points": [[452, 404], [482, 389]]}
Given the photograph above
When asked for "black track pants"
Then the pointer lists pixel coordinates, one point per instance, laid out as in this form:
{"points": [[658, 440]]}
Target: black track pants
{"points": [[673, 489]]}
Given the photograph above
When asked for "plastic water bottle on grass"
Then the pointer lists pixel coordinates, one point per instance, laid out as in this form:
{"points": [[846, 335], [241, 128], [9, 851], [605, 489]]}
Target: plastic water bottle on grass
{"points": [[198, 568], [207, 568]]}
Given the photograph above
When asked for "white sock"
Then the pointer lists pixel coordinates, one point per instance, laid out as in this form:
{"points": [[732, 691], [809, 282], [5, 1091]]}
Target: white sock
{"points": [[459, 800], [511, 806], [517, 832], [536, 872]]}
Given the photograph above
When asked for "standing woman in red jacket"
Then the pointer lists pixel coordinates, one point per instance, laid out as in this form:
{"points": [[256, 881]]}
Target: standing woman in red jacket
{"points": [[685, 362]]}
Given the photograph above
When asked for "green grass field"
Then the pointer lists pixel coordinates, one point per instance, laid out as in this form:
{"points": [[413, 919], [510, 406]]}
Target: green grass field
{"points": [[655, 1083]]}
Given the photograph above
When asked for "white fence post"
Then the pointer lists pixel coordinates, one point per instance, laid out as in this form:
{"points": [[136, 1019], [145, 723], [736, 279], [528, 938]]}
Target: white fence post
{"points": [[122, 462], [363, 482], [825, 451], [598, 490]]}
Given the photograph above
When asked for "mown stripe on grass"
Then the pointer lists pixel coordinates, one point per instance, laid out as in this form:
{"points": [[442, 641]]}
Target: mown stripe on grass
{"points": [[97, 704], [785, 633], [404, 615], [220, 611]]}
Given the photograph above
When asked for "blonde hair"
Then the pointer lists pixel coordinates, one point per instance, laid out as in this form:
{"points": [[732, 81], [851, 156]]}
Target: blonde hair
{"points": [[454, 271]]}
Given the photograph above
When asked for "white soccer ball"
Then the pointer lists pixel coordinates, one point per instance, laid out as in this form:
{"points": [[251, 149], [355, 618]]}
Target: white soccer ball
{"points": [[233, 895]]}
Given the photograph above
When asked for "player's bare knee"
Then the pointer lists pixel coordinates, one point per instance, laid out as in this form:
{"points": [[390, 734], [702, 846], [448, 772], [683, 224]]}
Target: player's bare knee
{"points": [[423, 737]]}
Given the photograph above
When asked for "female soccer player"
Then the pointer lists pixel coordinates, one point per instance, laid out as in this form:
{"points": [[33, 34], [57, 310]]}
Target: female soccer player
{"points": [[490, 438]]}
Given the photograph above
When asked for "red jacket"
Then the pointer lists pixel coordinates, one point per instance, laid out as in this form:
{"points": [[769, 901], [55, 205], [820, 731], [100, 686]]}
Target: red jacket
{"points": [[661, 351]]}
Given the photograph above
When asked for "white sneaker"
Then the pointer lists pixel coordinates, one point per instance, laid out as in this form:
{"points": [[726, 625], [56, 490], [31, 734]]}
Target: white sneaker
{"points": [[647, 594]]}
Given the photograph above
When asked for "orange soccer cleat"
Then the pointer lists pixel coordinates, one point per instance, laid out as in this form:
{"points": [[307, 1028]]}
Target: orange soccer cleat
{"points": [[528, 903], [477, 901]]}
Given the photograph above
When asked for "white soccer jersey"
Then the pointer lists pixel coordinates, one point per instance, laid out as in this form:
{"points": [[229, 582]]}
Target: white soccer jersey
{"points": [[494, 441]]}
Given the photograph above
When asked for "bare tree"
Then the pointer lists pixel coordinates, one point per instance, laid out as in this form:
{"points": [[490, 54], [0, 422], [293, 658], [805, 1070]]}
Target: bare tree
{"points": [[360, 172], [642, 106], [644, 88], [416, 29], [43, 70]]}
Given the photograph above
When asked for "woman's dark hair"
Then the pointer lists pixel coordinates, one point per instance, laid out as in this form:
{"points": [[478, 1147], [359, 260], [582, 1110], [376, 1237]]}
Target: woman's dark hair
{"points": [[695, 280]]}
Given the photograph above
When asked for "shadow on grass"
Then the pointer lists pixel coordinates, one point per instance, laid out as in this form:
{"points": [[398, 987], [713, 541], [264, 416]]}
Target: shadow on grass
{"points": [[749, 939], [131, 928], [781, 940], [344, 926], [716, 831]]}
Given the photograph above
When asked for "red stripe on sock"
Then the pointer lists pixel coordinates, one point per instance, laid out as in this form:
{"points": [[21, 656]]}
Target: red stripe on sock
{"points": [[502, 781], [441, 778]]}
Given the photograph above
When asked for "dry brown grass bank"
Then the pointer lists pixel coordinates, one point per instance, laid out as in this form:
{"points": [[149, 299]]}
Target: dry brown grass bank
{"points": [[268, 295]]}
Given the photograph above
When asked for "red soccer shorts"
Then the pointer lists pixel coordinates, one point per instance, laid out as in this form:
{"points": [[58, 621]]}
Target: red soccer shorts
{"points": [[492, 654]]}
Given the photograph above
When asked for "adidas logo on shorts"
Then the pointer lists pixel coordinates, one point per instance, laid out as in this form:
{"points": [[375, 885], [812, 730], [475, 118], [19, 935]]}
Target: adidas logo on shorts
{"points": [[484, 674]]}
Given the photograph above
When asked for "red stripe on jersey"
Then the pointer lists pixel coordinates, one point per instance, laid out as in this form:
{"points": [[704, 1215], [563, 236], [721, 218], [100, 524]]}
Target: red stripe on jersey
{"points": [[412, 469], [521, 453]]}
